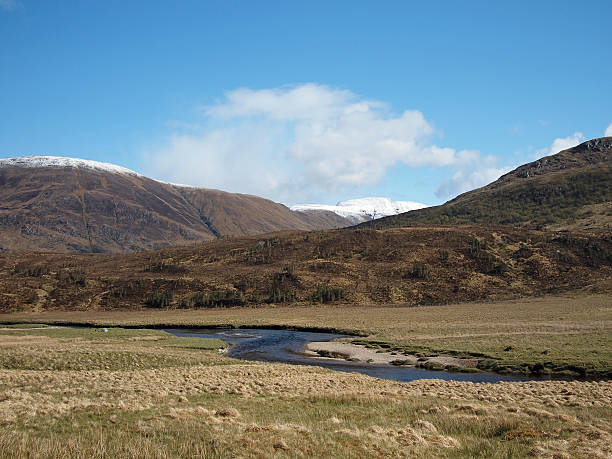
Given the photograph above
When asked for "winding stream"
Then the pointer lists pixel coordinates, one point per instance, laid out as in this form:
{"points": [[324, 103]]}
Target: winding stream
{"points": [[287, 346]]}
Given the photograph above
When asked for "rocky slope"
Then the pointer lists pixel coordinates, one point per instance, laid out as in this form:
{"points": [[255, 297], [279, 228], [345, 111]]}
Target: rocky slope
{"points": [[72, 205]]}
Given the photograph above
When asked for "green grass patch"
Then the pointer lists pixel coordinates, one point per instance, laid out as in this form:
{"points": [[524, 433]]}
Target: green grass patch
{"points": [[93, 349]]}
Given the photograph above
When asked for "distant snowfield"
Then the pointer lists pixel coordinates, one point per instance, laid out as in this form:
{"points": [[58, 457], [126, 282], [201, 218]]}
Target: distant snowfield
{"points": [[364, 209]]}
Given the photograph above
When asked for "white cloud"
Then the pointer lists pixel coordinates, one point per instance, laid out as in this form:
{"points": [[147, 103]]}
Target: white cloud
{"points": [[297, 143], [477, 171], [474, 171], [560, 144], [608, 132], [9, 4]]}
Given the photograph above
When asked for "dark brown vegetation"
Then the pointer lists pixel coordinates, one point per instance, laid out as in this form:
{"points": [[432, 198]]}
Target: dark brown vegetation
{"points": [[572, 189], [423, 265], [71, 209]]}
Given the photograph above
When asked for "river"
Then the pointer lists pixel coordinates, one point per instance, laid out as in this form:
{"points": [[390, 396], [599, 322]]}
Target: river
{"points": [[287, 346]]}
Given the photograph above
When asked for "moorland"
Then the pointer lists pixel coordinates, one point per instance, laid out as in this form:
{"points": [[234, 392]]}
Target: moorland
{"points": [[516, 276]]}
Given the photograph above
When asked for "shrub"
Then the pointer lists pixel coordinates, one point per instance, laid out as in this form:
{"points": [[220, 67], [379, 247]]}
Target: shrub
{"points": [[523, 252], [325, 294], [67, 277], [499, 268], [283, 287], [126, 289], [31, 271], [420, 271], [282, 296], [285, 277], [218, 298], [242, 284], [165, 267], [160, 299], [267, 243], [476, 246]]}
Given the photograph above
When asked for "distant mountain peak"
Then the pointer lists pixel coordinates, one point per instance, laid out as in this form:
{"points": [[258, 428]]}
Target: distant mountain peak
{"points": [[363, 209], [61, 161]]}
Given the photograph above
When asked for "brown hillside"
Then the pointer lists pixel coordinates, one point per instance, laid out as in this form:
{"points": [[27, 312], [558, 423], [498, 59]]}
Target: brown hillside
{"points": [[569, 190], [235, 214], [72, 209], [423, 265]]}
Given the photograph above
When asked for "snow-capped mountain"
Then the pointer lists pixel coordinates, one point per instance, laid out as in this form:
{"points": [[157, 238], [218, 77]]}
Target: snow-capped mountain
{"points": [[60, 162], [364, 209], [76, 205]]}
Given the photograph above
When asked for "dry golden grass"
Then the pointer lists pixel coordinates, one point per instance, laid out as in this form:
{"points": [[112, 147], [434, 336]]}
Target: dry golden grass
{"points": [[207, 405], [143, 393]]}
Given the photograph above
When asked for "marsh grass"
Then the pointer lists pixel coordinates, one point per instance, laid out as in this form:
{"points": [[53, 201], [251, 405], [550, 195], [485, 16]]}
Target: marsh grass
{"points": [[564, 336], [91, 349], [79, 392]]}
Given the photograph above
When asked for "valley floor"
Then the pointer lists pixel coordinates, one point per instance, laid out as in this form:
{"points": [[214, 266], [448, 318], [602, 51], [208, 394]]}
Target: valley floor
{"points": [[144, 393]]}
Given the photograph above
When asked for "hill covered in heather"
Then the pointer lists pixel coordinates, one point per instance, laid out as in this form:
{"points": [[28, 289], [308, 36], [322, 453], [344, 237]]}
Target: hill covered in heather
{"points": [[569, 190], [409, 266]]}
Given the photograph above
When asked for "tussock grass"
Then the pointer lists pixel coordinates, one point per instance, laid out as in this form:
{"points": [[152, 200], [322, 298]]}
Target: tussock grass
{"points": [[193, 402]]}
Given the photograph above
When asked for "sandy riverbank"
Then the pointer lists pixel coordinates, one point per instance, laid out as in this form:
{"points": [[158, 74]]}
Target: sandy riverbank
{"points": [[347, 351]]}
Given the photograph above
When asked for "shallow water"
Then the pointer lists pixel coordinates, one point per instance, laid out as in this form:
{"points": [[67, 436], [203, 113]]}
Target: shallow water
{"points": [[287, 346]]}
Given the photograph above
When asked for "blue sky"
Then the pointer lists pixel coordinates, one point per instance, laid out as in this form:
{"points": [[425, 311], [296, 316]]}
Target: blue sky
{"points": [[306, 101]]}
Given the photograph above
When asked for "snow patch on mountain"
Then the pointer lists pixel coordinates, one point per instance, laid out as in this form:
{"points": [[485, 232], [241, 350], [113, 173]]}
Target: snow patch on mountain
{"points": [[364, 209], [60, 161]]}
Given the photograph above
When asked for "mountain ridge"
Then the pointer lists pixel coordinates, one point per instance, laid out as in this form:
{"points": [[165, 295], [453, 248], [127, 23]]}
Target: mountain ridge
{"points": [[72, 205]]}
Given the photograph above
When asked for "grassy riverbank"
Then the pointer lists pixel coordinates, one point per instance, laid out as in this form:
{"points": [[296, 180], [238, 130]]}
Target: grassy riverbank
{"points": [[144, 393], [566, 336]]}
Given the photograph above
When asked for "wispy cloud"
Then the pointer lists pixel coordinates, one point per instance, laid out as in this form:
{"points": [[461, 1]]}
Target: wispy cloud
{"points": [[9, 5], [302, 142], [608, 132]]}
